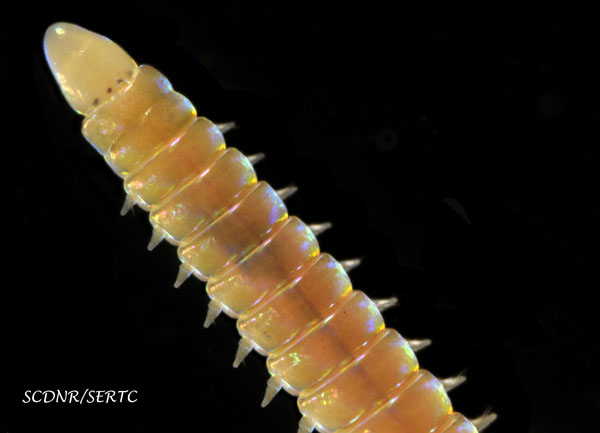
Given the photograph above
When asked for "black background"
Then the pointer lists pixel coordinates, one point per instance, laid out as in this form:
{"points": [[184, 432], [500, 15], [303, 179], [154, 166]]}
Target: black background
{"points": [[395, 124]]}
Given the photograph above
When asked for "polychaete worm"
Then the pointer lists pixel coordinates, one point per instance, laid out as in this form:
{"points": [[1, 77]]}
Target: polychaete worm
{"points": [[325, 342]]}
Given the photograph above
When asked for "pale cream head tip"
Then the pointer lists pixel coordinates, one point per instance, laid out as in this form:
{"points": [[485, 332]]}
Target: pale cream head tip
{"points": [[88, 67]]}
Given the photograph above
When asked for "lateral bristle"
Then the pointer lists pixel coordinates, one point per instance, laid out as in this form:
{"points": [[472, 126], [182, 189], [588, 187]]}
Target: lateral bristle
{"points": [[317, 229], [384, 304], [287, 192], [128, 205], [306, 425], [244, 348], [452, 382], [482, 422], [183, 274], [225, 126], [274, 385], [157, 238], [256, 158], [417, 345], [350, 264], [212, 313]]}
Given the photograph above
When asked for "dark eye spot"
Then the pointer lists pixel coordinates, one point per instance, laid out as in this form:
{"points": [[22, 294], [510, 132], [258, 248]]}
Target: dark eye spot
{"points": [[96, 101], [119, 81], [109, 89]]}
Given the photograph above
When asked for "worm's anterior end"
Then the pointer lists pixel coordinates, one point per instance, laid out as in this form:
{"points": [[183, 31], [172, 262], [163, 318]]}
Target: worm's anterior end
{"points": [[89, 68]]}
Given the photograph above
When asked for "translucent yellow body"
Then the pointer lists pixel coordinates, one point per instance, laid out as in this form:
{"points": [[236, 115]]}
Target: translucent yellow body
{"points": [[325, 342]]}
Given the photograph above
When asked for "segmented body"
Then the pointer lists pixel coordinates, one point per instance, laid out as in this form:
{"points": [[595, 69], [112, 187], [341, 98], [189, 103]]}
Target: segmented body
{"points": [[324, 341]]}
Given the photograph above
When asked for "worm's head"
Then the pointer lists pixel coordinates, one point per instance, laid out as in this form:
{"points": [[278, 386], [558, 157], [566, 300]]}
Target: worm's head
{"points": [[89, 68]]}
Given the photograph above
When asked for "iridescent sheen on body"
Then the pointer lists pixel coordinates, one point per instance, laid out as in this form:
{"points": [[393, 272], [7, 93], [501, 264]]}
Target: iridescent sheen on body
{"points": [[369, 381], [297, 306], [269, 267], [161, 123], [176, 164], [456, 423], [235, 233], [330, 344], [225, 180], [419, 405]]}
